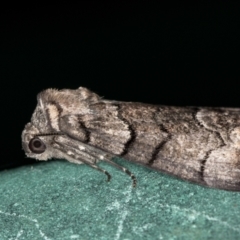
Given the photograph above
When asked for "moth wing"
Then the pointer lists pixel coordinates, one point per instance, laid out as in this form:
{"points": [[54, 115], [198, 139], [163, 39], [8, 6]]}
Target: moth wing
{"points": [[139, 133]]}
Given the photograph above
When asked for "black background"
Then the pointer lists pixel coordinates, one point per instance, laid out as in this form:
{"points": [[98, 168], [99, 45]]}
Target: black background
{"points": [[180, 54]]}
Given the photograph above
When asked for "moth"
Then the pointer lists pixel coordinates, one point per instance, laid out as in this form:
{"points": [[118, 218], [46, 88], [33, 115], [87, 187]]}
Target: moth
{"points": [[201, 145]]}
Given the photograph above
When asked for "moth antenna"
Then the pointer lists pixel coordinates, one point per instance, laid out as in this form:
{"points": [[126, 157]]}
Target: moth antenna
{"points": [[48, 134]]}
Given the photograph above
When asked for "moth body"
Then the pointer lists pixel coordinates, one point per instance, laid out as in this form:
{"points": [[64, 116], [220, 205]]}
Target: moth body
{"points": [[201, 145]]}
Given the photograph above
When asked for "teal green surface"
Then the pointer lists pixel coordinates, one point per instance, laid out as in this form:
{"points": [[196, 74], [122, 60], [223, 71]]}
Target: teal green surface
{"points": [[61, 200]]}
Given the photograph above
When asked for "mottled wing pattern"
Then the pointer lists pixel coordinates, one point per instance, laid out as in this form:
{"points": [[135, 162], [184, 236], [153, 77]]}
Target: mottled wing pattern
{"points": [[192, 143]]}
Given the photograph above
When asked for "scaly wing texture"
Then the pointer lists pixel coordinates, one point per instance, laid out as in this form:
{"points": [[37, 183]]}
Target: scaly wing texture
{"points": [[194, 144], [197, 144]]}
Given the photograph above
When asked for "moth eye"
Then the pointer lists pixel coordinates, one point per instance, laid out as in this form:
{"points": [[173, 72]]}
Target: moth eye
{"points": [[36, 145]]}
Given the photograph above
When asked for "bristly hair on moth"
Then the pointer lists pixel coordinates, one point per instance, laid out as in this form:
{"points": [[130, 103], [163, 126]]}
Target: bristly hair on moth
{"points": [[201, 145]]}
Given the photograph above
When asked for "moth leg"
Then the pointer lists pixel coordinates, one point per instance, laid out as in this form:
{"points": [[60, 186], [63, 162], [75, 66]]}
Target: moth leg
{"points": [[99, 169], [90, 152], [134, 180], [108, 158], [93, 165], [99, 154], [78, 160]]}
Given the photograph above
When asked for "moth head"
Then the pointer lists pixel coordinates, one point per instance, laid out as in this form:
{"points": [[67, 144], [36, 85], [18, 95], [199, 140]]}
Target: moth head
{"points": [[36, 145]]}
